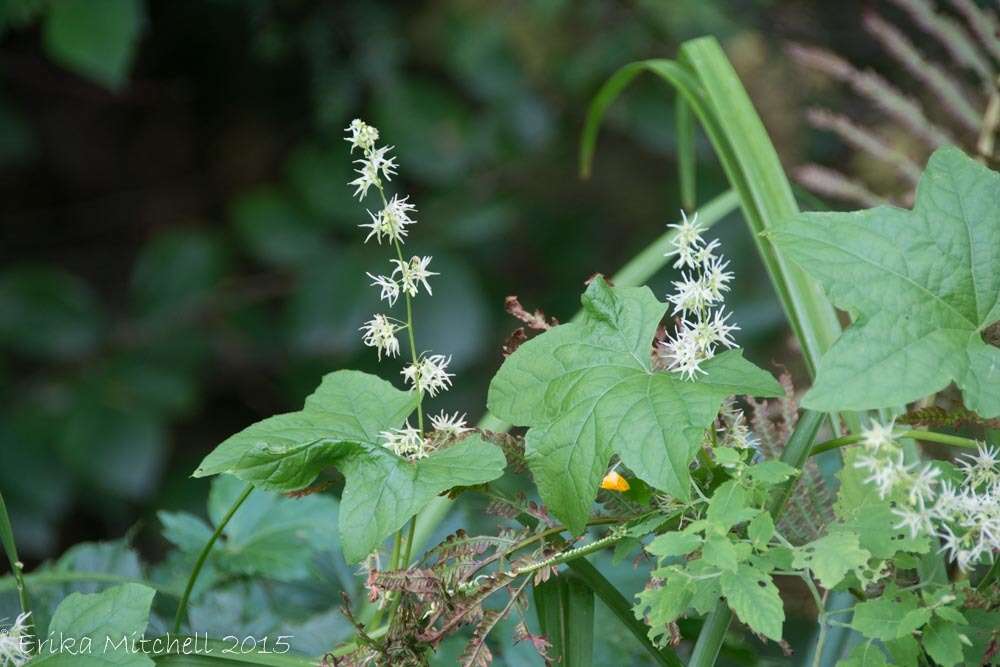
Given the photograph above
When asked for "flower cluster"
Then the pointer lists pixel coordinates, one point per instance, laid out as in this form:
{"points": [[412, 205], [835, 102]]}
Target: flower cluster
{"points": [[698, 300], [15, 642], [964, 517], [427, 373]]}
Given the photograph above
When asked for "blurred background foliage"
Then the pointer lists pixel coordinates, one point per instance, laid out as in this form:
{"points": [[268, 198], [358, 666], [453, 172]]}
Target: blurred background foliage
{"points": [[180, 251]]}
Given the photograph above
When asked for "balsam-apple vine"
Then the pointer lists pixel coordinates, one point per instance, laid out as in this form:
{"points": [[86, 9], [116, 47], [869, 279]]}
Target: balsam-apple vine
{"points": [[633, 437]]}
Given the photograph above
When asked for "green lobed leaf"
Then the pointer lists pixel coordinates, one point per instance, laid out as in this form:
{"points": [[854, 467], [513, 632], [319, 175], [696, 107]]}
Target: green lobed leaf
{"points": [[100, 620], [760, 530], [664, 604], [771, 472], [752, 595], [831, 557], [943, 642], [882, 618], [922, 286], [339, 426]]}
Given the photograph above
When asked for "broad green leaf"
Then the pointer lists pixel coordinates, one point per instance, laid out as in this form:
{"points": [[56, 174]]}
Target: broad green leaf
{"points": [[864, 655], [922, 285], [384, 491], [674, 544], [95, 38], [831, 557], [719, 552], [943, 641], [728, 506], [950, 614], [286, 452], [339, 426], [882, 617], [981, 633], [100, 621], [664, 604], [752, 595], [587, 390]]}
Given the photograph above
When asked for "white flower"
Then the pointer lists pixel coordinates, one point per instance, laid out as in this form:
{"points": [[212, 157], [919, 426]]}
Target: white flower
{"points": [[429, 374], [922, 485], [407, 442], [374, 167], [981, 468], [389, 288], [686, 242], [722, 331], [451, 426], [917, 522], [361, 135], [380, 333], [691, 295], [15, 642], [877, 435], [683, 354], [391, 221], [413, 274], [715, 279], [705, 255]]}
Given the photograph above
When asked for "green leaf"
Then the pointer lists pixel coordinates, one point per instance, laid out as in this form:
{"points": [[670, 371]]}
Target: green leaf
{"points": [[286, 452], [864, 655], [339, 426], [674, 544], [270, 535], [922, 286], [587, 390], [95, 38], [951, 614], [752, 595], [719, 552], [882, 617], [760, 530], [943, 642], [831, 557], [771, 472], [664, 604], [101, 620], [863, 512], [728, 506], [913, 621]]}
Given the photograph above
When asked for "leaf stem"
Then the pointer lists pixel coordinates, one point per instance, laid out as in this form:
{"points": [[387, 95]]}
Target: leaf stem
{"points": [[927, 436], [203, 556]]}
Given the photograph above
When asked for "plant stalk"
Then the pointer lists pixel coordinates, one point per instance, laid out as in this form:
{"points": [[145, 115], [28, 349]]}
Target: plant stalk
{"points": [[203, 556]]}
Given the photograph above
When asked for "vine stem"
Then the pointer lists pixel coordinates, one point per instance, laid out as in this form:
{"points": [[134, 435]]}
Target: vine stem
{"points": [[927, 436], [16, 566], [203, 556]]}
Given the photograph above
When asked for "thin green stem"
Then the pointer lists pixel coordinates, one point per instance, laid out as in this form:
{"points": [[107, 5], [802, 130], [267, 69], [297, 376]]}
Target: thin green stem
{"points": [[203, 556], [16, 566], [927, 436]]}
